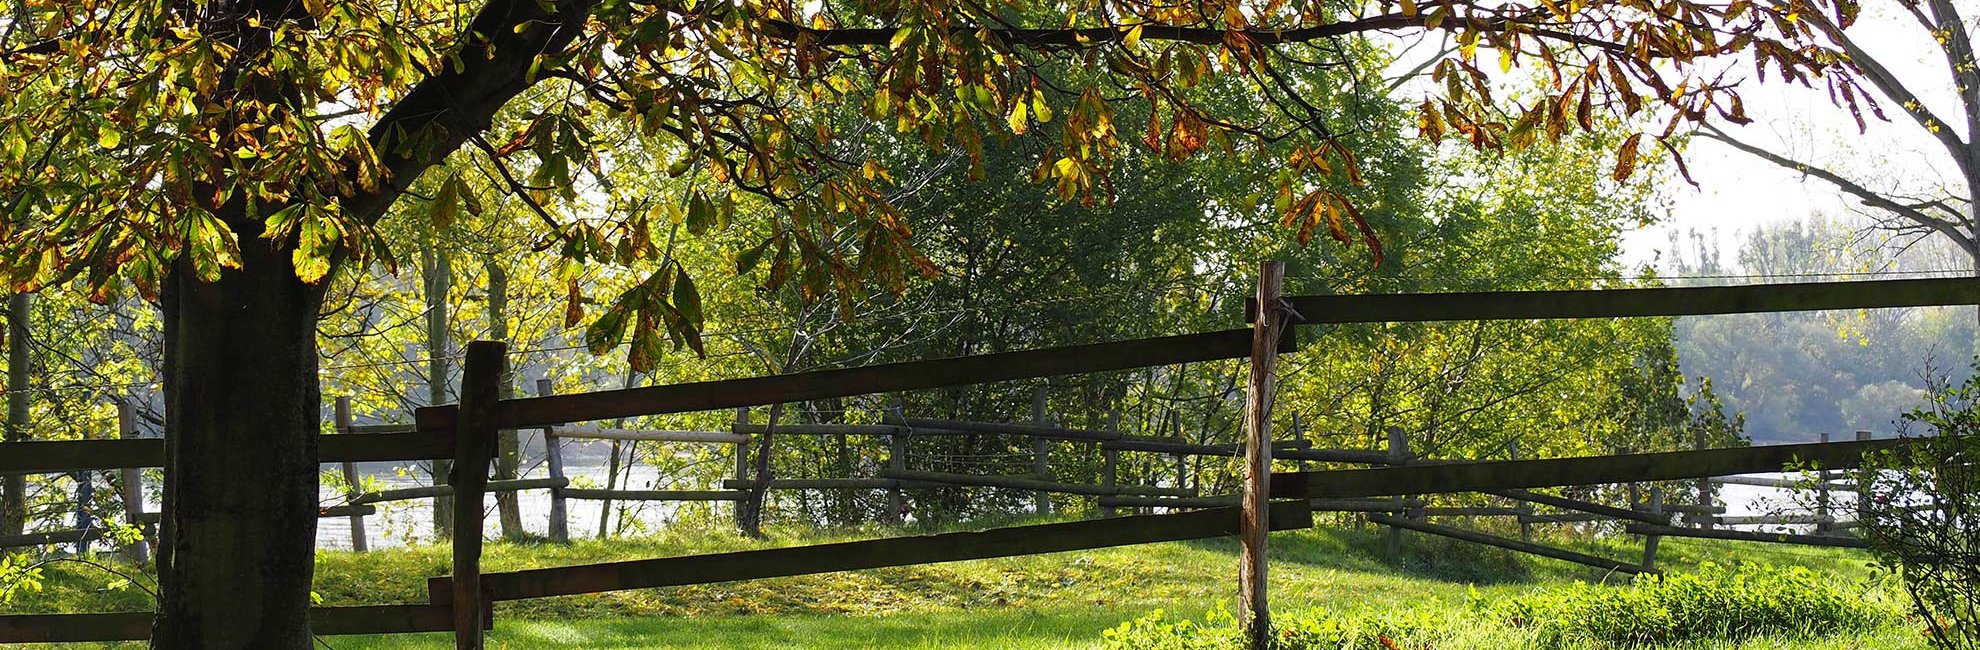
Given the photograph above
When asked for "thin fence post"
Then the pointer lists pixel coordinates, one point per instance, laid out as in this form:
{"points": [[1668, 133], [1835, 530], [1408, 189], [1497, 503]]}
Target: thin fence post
{"points": [[1822, 478], [1525, 507], [474, 447], [559, 527], [1862, 485], [1650, 541], [1398, 456], [897, 453], [133, 488], [85, 494], [1266, 329], [1041, 454], [1705, 519], [1635, 489], [1110, 461], [353, 489], [742, 462]]}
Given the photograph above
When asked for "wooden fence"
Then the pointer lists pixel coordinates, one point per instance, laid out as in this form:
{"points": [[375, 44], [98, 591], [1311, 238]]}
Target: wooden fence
{"points": [[466, 432]]}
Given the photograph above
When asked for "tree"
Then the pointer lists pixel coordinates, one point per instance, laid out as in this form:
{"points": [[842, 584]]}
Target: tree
{"points": [[1915, 205], [226, 157]]}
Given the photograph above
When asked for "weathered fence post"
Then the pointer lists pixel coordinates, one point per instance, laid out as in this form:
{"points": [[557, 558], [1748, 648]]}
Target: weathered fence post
{"points": [[343, 427], [1110, 460], [1862, 490], [1822, 478], [85, 494], [133, 488], [553, 455], [1650, 541], [1705, 519], [474, 449], [1398, 456], [1041, 454], [1525, 507], [1255, 522], [742, 462], [897, 453]]}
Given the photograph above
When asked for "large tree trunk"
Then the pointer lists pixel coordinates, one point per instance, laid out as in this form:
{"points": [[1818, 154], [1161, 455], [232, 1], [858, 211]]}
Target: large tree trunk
{"points": [[241, 403], [13, 490]]}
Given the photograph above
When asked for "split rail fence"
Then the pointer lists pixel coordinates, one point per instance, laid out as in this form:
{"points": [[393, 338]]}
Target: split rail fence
{"points": [[466, 433]]}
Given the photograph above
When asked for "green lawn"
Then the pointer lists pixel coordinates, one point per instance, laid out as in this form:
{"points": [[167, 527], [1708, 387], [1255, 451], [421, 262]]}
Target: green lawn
{"points": [[1063, 600]]}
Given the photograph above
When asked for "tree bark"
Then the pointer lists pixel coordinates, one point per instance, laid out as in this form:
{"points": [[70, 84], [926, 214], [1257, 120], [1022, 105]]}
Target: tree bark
{"points": [[439, 280], [752, 507], [13, 490], [242, 409], [507, 452]]}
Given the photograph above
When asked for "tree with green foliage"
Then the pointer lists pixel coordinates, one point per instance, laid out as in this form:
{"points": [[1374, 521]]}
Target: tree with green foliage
{"points": [[226, 157]]}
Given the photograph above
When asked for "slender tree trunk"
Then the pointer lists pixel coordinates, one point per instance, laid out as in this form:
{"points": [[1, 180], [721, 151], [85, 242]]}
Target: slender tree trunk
{"points": [[242, 409], [13, 490], [507, 454], [439, 280], [752, 514]]}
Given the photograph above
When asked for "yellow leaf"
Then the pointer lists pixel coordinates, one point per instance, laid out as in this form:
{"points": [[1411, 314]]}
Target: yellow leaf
{"points": [[1409, 8], [1133, 38], [1018, 122], [107, 136]]}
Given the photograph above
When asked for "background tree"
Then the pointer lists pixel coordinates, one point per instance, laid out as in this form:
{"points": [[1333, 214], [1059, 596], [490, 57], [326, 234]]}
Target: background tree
{"points": [[1910, 204], [226, 157]]}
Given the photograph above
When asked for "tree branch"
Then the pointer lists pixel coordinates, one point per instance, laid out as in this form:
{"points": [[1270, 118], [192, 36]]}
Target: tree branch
{"points": [[1869, 197], [1894, 89], [492, 67]]}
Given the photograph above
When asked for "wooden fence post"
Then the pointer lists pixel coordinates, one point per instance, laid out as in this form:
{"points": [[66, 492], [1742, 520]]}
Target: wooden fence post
{"points": [[1525, 507], [1398, 456], [1650, 541], [1705, 520], [343, 427], [1822, 478], [1041, 454], [1254, 521], [553, 455], [474, 449], [742, 461], [133, 488], [1862, 482], [897, 453], [1110, 460]]}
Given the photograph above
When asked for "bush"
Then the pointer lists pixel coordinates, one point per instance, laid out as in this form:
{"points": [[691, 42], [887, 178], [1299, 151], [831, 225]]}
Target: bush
{"points": [[1716, 602], [1312, 630], [1921, 514]]}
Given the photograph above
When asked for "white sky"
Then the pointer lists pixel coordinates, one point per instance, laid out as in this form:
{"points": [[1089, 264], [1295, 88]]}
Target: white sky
{"points": [[1738, 191]]}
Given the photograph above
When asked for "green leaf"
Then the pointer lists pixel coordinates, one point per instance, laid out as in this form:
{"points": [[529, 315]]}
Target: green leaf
{"points": [[107, 136]]}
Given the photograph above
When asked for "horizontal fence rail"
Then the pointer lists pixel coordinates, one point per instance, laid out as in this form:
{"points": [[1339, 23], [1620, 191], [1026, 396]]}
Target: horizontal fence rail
{"points": [[1556, 472], [136, 626], [78, 455], [848, 382], [874, 554], [1625, 303]]}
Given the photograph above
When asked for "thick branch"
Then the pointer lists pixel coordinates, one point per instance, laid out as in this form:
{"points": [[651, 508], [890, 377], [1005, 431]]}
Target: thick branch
{"points": [[443, 111], [1891, 87], [1868, 196], [1088, 36]]}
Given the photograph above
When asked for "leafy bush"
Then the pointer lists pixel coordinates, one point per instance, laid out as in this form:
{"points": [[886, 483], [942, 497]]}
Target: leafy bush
{"points": [[1312, 630], [1921, 514], [1716, 602]]}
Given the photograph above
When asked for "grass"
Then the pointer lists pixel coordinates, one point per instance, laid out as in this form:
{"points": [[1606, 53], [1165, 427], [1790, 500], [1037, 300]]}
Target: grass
{"points": [[1064, 600]]}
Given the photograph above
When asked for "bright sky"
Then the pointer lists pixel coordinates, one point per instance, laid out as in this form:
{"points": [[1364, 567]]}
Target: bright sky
{"points": [[1738, 191]]}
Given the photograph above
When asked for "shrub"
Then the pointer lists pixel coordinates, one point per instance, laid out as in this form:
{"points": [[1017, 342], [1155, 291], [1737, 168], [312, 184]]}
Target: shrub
{"points": [[1716, 602], [1921, 514]]}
